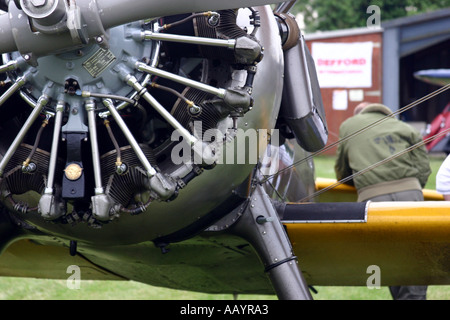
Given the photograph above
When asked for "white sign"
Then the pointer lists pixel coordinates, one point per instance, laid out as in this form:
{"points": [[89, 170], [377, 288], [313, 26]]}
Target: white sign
{"points": [[356, 95], [343, 65], [340, 100]]}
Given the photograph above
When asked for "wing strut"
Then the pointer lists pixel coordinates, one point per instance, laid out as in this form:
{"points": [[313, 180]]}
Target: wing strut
{"points": [[261, 226]]}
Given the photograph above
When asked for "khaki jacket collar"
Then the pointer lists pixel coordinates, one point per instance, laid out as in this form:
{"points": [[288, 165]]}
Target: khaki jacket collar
{"points": [[377, 107]]}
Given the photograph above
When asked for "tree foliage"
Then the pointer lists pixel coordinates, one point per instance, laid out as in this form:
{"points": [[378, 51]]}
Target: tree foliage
{"points": [[342, 14]]}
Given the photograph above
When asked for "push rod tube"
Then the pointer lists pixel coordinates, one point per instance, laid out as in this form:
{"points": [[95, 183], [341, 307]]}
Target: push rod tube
{"points": [[129, 136], [132, 81], [55, 142], [42, 102], [9, 66], [149, 35], [20, 82], [187, 82], [90, 108]]}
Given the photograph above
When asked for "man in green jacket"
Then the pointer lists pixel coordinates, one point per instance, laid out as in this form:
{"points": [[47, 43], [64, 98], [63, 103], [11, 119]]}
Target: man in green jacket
{"points": [[401, 179]]}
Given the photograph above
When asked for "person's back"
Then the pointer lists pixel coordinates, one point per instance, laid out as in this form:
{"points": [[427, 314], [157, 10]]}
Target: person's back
{"points": [[376, 144]]}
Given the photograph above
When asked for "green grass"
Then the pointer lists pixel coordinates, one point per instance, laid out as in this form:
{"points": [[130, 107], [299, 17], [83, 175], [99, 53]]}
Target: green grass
{"points": [[38, 289]]}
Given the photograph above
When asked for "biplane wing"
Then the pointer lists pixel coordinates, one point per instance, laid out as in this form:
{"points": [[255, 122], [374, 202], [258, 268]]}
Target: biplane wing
{"points": [[336, 244], [408, 241]]}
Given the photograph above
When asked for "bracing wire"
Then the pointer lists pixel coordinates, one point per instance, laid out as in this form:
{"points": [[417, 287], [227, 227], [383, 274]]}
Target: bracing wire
{"points": [[350, 136], [375, 165]]}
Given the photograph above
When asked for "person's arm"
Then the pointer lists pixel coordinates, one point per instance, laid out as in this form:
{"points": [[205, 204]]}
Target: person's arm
{"points": [[420, 159], [342, 167]]}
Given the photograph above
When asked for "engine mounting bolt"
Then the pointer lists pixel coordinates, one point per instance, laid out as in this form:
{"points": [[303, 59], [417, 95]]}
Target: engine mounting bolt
{"points": [[262, 219], [38, 3]]}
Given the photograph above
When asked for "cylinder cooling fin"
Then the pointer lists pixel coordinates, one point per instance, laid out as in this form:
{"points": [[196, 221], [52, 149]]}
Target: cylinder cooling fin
{"points": [[105, 118]]}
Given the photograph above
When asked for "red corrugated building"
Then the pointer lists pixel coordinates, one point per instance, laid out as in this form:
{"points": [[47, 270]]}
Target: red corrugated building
{"points": [[399, 48], [335, 108]]}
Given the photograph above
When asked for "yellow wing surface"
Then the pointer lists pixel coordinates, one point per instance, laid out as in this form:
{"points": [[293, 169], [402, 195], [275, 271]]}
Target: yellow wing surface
{"points": [[407, 242]]}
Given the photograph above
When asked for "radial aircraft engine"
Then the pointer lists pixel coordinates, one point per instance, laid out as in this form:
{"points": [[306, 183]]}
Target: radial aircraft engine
{"points": [[141, 124]]}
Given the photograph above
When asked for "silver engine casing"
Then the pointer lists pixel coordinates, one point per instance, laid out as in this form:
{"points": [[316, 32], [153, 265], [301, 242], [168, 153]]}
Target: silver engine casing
{"points": [[206, 191]]}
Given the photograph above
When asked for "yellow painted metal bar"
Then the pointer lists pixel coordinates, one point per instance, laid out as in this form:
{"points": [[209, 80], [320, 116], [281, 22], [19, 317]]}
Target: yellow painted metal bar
{"points": [[408, 241], [432, 195], [346, 193]]}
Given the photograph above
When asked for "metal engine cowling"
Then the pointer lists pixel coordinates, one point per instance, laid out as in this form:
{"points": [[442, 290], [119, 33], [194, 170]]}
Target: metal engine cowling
{"points": [[113, 112]]}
